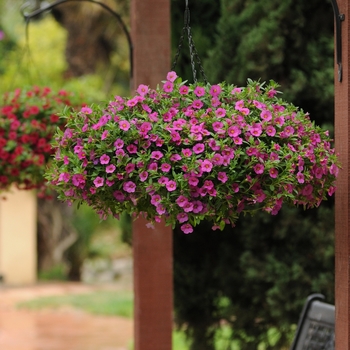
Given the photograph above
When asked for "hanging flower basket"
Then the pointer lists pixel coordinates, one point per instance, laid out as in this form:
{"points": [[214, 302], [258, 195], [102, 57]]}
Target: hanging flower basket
{"points": [[28, 120], [193, 152]]}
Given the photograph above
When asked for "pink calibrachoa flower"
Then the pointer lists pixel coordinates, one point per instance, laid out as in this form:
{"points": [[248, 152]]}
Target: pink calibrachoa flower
{"points": [[259, 168], [181, 201], [124, 125], [110, 168], [270, 130], [222, 176], [129, 187], [273, 173], [215, 90], [104, 159], [186, 152], [171, 185], [220, 112], [300, 178], [142, 90], [197, 104], [168, 86], [99, 181], [182, 217], [165, 167], [119, 143], [206, 166], [143, 176], [119, 196], [171, 76], [186, 228], [199, 91], [183, 90], [156, 155], [198, 148], [86, 110]]}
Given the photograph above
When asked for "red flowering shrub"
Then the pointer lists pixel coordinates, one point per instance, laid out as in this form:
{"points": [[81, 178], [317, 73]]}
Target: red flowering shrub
{"points": [[28, 120]]}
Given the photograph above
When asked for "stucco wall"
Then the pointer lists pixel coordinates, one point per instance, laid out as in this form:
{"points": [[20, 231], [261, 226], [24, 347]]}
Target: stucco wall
{"points": [[18, 262]]}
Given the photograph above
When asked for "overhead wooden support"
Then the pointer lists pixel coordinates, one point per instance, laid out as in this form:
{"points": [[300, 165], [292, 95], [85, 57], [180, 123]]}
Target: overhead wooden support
{"points": [[342, 197], [152, 248]]}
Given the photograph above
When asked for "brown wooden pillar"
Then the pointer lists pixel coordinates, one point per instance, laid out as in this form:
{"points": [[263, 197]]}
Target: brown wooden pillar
{"points": [[152, 248], [342, 197]]}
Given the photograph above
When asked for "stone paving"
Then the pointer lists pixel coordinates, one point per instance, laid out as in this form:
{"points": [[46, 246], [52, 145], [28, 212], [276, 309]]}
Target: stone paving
{"points": [[63, 329]]}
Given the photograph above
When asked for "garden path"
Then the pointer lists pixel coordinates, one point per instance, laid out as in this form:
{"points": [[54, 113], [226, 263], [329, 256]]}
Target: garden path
{"points": [[63, 329]]}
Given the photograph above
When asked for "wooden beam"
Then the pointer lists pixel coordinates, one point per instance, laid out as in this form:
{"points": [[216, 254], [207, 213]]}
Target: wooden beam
{"points": [[342, 197], [152, 248]]}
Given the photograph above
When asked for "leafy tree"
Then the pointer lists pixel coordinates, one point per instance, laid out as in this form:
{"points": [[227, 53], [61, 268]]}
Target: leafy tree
{"points": [[255, 277]]}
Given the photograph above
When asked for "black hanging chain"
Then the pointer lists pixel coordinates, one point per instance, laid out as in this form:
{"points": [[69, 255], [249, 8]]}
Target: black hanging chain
{"points": [[193, 51]]}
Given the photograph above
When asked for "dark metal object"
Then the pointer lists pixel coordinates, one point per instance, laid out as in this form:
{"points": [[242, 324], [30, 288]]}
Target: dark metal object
{"points": [[193, 52], [338, 19], [39, 11], [316, 325]]}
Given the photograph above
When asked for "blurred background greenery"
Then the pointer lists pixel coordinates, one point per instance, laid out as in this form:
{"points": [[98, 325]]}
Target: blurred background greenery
{"points": [[242, 288]]}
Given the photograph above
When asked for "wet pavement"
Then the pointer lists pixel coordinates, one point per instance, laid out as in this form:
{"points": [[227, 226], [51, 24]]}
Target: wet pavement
{"points": [[62, 329]]}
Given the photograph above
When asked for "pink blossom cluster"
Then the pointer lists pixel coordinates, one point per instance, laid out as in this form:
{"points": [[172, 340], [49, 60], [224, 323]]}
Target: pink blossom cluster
{"points": [[188, 153]]}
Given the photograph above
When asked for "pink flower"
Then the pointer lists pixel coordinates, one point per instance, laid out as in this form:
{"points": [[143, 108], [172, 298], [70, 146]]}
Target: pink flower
{"points": [[255, 129], [220, 112], [270, 130], [165, 167], [86, 110], [119, 143], [99, 181], [171, 185], [155, 199], [110, 168], [132, 149], [300, 178], [129, 187], [182, 217], [273, 173], [197, 207], [104, 135], [130, 168], [181, 201], [64, 177], [206, 166], [171, 76], [199, 91], [175, 157], [156, 155], [215, 90], [198, 148], [183, 90], [104, 159], [186, 228], [119, 196], [197, 104], [124, 125], [266, 115], [233, 131], [193, 181], [142, 90], [222, 176], [168, 86], [259, 168], [143, 176], [186, 152], [163, 180]]}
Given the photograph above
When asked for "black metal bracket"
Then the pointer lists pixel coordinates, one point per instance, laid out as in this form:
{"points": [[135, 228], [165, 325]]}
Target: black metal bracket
{"points": [[37, 12], [338, 17]]}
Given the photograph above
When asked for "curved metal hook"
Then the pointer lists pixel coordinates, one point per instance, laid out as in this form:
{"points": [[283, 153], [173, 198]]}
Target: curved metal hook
{"points": [[338, 19], [35, 13]]}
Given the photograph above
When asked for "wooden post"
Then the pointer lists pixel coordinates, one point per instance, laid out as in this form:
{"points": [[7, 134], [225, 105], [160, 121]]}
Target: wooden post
{"points": [[152, 248], [342, 197]]}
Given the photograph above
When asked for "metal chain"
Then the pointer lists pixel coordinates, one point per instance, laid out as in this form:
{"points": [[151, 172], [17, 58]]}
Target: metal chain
{"points": [[193, 52]]}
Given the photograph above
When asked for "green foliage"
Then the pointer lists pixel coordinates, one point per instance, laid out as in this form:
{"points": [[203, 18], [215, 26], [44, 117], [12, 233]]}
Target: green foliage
{"points": [[288, 41], [253, 277], [256, 277]]}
